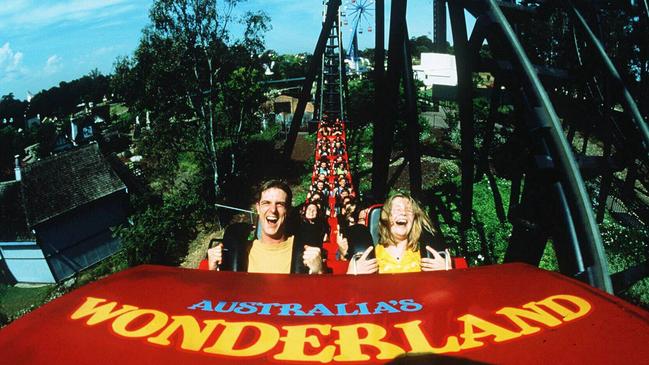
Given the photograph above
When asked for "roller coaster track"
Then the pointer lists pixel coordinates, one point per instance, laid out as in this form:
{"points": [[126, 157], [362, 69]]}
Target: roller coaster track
{"points": [[555, 202]]}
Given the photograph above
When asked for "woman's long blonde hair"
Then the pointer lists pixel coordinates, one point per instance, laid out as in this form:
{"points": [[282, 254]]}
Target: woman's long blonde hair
{"points": [[421, 222]]}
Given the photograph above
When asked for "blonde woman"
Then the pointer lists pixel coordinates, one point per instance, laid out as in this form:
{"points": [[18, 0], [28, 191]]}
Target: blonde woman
{"points": [[401, 225]]}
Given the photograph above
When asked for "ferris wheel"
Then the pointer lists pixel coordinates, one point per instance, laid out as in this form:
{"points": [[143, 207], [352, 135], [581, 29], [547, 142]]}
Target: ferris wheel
{"points": [[357, 17], [358, 14]]}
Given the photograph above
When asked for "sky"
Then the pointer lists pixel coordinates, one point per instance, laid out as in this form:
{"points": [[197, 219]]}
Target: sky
{"points": [[45, 42]]}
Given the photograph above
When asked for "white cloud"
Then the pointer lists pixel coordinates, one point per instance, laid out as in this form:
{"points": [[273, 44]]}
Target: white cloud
{"points": [[301, 7], [103, 51], [24, 14], [11, 63], [13, 6], [52, 65]]}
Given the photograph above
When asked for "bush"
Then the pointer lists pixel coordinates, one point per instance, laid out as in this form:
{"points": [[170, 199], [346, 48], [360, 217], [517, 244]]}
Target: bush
{"points": [[638, 293], [4, 320], [627, 247], [487, 238], [160, 231], [123, 122], [447, 172]]}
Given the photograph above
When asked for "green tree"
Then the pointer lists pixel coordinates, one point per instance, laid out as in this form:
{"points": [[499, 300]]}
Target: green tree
{"points": [[161, 229], [62, 100], [46, 136], [182, 69], [11, 108], [421, 44], [367, 53], [361, 101], [290, 66], [123, 83], [240, 103], [10, 145]]}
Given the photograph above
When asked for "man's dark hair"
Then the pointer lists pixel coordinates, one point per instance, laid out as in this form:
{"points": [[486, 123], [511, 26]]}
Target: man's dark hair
{"points": [[278, 184]]}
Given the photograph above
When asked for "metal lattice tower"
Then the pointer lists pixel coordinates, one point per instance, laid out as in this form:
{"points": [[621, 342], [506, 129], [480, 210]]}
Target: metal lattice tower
{"points": [[439, 25], [330, 94]]}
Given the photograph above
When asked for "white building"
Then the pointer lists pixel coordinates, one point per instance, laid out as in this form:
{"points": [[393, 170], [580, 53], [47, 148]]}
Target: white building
{"points": [[436, 69], [358, 66]]}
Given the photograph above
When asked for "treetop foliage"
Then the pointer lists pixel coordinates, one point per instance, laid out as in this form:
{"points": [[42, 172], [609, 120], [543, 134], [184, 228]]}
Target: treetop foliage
{"points": [[58, 101]]}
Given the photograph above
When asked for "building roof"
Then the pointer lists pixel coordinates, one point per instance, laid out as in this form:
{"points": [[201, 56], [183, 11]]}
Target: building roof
{"points": [[66, 181], [13, 224]]}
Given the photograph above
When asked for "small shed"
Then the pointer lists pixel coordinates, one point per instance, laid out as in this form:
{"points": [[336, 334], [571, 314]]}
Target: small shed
{"points": [[64, 207], [20, 256]]}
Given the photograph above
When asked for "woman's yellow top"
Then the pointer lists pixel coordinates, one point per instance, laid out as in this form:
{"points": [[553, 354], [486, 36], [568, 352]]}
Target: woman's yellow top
{"points": [[410, 261]]}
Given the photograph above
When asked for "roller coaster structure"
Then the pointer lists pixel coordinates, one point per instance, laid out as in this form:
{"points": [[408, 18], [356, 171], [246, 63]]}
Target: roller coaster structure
{"points": [[481, 315], [548, 199]]}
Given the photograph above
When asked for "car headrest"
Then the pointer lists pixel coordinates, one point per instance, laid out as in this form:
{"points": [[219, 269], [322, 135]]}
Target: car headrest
{"points": [[234, 237], [373, 218], [359, 239], [309, 234]]}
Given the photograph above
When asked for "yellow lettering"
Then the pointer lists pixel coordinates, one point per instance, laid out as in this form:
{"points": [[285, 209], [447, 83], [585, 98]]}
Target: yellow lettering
{"points": [[306, 342], [418, 342], [583, 306], [158, 321], [350, 342], [536, 314], [224, 345], [487, 329], [193, 337], [99, 313], [296, 339]]}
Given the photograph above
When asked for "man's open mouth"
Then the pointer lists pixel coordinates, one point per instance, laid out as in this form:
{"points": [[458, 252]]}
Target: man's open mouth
{"points": [[272, 219]]}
